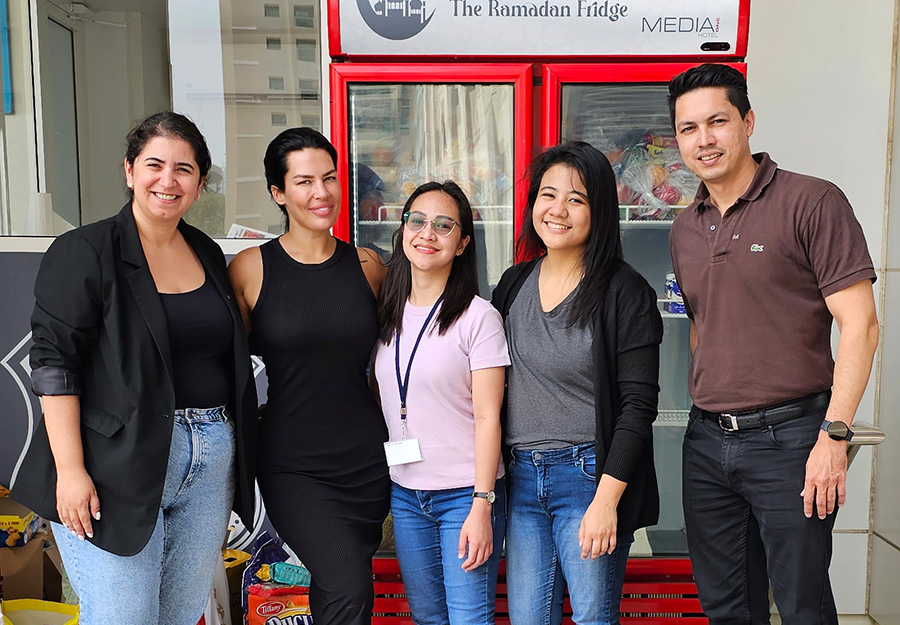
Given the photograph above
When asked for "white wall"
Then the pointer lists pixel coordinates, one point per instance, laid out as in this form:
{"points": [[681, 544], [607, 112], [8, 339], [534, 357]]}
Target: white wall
{"points": [[127, 79], [20, 145], [819, 73], [105, 103], [884, 600]]}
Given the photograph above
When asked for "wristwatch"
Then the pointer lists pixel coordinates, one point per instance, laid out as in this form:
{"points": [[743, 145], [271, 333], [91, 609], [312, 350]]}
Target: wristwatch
{"points": [[489, 496], [837, 430]]}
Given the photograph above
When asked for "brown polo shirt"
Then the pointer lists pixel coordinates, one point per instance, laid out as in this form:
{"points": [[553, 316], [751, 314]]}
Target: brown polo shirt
{"points": [[755, 283]]}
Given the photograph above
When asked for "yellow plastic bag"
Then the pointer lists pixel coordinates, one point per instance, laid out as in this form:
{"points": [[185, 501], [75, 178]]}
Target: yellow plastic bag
{"points": [[34, 612]]}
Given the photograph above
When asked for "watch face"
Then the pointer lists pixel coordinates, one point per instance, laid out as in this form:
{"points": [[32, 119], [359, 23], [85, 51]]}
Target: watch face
{"points": [[488, 496], [838, 430]]}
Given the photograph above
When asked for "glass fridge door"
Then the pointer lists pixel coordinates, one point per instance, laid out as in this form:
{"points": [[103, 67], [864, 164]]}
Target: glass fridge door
{"points": [[402, 135], [629, 122]]}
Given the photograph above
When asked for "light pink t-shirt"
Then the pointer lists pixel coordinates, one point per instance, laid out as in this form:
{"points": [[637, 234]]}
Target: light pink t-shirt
{"points": [[439, 399]]}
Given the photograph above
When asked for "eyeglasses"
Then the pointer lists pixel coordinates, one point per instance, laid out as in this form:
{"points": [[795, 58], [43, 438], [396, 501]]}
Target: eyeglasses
{"points": [[416, 221]]}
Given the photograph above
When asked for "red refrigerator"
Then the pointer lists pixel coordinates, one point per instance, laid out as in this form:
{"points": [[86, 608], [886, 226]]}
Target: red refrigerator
{"points": [[471, 90]]}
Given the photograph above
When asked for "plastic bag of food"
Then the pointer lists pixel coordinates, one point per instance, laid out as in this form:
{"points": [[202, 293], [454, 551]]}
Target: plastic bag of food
{"points": [[277, 604], [641, 176], [266, 550]]}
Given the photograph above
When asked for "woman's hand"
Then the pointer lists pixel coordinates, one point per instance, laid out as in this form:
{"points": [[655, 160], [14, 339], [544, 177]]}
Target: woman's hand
{"points": [[597, 534], [478, 534], [77, 502]]}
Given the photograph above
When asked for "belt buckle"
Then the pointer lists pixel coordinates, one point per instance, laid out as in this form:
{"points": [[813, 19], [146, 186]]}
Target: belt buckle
{"points": [[730, 420]]}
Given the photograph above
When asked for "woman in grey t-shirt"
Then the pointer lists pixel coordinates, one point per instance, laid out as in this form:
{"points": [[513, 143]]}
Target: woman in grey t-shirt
{"points": [[584, 334]]}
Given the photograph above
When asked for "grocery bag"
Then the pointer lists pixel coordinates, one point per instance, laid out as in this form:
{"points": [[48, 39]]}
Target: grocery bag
{"points": [[34, 612]]}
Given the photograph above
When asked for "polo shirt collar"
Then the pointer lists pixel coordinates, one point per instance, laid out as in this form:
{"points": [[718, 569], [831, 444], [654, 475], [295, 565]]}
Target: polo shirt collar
{"points": [[761, 179]]}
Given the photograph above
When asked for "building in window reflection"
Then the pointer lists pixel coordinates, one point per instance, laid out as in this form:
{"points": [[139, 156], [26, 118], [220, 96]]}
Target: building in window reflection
{"points": [[271, 66]]}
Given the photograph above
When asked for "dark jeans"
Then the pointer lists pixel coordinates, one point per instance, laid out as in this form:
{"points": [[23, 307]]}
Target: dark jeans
{"points": [[745, 523]]}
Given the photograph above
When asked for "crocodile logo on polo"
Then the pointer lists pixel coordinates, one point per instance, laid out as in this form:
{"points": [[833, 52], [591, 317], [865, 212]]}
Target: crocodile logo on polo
{"points": [[395, 19], [756, 247]]}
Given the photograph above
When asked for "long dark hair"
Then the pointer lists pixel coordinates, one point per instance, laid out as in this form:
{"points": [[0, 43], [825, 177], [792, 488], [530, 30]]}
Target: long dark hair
{"points": [[603, 252], [462, 285], [275, 160], [171, 125]]}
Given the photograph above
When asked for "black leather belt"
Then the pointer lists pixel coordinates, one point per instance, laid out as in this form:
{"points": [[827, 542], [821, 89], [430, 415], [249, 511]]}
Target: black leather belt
{"points": [[771, 415]]}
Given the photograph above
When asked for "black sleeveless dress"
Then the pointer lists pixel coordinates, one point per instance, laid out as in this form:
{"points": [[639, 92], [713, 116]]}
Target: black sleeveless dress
{"points": [[321, 465]]}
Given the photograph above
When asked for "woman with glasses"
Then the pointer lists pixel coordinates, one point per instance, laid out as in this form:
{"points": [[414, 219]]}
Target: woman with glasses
{"points": [[310, 300], [584, 334], [440, 368]]}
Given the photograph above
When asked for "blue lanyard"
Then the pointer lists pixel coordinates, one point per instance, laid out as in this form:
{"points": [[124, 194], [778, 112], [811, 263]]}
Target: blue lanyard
{"points": [[403, 384]]}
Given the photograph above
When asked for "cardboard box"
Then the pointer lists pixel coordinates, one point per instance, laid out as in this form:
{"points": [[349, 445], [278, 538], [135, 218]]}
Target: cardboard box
{"points": [[17, 523], [22, 569], [235, 563], [52, 574]]}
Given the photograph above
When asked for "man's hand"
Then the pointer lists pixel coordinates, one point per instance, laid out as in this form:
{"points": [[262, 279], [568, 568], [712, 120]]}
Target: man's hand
{"points": [[826, 477]]}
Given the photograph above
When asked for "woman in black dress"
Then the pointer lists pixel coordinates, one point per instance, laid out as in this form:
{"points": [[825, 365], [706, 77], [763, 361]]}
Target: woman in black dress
{"points": [[310, 300]]}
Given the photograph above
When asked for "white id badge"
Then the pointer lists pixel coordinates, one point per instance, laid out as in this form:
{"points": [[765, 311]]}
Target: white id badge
{"points": [[403, 452]]}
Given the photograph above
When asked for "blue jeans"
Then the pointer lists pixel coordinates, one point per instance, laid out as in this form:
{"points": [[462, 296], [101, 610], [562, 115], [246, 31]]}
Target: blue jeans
{"points": [[427, 524], [169, 580], [550, 490], [745, 523]]}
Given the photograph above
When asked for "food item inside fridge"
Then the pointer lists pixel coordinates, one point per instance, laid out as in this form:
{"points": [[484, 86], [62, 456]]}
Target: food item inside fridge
{"points": [[652, 178], [637, 174]]}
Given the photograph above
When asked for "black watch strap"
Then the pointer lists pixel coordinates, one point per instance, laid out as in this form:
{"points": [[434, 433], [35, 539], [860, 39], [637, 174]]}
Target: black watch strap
{"points": [[489, 496]]}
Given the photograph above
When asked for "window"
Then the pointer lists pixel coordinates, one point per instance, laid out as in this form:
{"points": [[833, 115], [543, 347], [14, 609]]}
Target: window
{"points": [[231, 65], [309, 89], [306, 50], [304, 16]]}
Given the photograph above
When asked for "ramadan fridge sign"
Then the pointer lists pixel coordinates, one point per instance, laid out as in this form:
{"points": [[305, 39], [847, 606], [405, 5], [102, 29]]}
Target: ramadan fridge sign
{"points": [[555, 28]]}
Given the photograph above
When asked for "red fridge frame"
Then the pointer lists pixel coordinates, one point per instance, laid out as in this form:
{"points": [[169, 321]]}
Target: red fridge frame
{"points": [[520, 75], [557, 74], [740, 47]]}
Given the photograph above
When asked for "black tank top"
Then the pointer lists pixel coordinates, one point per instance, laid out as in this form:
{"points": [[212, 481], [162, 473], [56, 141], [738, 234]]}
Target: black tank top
{"points": [[315, 327], [201, 333]]}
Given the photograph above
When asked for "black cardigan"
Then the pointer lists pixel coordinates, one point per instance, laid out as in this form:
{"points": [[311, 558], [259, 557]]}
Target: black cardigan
{"points": [[100, 332], [627, 333]]}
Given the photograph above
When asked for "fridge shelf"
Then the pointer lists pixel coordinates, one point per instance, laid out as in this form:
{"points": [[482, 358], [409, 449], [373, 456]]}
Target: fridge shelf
{"points": [[646, 223], [661, 302], [672, 418], [627, 210], [396, 222]]}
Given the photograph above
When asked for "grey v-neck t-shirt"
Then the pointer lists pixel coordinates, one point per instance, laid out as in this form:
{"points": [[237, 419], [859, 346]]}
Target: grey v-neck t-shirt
{"points": [[551, 391]]}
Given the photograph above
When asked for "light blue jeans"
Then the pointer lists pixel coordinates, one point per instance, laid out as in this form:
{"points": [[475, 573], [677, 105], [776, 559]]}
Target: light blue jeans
{"points": [[550, 491], [169, 580], [426, 534]]}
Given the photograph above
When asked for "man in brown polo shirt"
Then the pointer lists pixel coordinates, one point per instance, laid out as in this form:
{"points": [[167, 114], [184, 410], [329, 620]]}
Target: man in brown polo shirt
{"points": [[765, 259]]}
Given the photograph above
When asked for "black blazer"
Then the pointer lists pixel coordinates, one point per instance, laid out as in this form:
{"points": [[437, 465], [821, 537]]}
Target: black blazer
{"points": [[100, 331], [627, 333]]}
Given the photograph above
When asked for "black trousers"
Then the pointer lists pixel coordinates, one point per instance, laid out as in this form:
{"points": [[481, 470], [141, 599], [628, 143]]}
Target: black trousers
{"points": [[745, 523]]}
